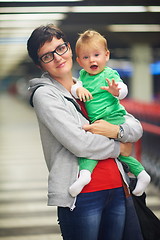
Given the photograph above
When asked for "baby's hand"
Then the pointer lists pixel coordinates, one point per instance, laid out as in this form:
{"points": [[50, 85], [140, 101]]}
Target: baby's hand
{"points": [[83, 94], [112, 88]]}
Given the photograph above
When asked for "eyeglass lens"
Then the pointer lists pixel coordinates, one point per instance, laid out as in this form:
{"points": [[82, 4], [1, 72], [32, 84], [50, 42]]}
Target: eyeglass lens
{"points": [[60, 50]]}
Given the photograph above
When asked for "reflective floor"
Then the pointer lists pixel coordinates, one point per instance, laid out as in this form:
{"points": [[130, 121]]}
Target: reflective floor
{"points": [[24, 214]]}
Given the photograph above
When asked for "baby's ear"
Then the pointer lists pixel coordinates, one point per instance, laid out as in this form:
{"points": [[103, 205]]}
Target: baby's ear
{"points": [[78, 61], [107, 55]]}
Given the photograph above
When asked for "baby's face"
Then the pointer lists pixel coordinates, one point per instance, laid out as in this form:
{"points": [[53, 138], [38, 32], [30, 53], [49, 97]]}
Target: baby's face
{"points": [[93, 58]]}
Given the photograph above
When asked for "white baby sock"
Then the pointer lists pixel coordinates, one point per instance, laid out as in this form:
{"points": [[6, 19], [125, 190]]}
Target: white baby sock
{"points": [[143, 179], [78, 185]]}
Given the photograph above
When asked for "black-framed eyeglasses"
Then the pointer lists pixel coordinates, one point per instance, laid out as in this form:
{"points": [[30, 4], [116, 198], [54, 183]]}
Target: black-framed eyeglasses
{"points": [[60, 50]]}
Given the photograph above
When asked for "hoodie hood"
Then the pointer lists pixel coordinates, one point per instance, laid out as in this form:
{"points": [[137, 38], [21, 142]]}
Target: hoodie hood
{"points": [[46, 80]]}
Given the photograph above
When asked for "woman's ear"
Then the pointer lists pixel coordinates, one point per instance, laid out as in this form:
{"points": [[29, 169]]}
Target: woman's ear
{"points": [[69, 46], [39, 66]]}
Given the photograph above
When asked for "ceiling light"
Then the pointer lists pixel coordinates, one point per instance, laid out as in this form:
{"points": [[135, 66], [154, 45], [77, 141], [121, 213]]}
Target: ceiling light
{"points": [[105, 9], [80, 9], [26, 24], [134, 28], [51, 9], [153, 8], [22, 17], [12, 31]]}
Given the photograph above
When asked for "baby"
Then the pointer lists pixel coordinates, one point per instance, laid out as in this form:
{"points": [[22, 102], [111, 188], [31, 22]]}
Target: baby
{"points": [[101, 87]]}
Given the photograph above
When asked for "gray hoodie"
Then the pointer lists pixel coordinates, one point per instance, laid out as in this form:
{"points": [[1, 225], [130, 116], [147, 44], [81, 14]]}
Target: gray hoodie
{"points": [[63, 138]]}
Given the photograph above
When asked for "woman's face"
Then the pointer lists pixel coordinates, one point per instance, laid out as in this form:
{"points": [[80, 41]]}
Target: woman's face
{"points": [[61, 65]]}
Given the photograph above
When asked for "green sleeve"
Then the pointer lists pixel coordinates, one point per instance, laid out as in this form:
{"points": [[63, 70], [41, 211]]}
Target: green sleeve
{"points": [[113, 74]]}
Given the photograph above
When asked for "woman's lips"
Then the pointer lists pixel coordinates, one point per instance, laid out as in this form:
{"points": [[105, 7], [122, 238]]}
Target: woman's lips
{"points": [[61, 65]]}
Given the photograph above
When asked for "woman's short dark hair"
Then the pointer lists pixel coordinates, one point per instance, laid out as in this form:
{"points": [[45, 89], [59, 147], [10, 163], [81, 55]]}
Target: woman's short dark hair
{"points": [[41, 35]]}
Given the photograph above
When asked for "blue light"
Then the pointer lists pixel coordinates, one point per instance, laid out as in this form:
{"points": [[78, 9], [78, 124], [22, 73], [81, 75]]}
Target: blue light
{"points": [[155, 68]]}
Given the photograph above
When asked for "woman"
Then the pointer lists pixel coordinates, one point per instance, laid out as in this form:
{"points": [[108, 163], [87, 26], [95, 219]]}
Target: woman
{"points": [[98, 213]]}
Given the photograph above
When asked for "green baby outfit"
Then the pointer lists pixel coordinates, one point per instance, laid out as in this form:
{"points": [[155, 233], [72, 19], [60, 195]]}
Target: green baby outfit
{"points": [[107, 107]]}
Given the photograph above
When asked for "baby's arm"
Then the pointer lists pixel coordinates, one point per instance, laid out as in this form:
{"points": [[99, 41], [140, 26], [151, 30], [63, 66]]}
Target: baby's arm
{"points": [[78, 91], [117, 89]]}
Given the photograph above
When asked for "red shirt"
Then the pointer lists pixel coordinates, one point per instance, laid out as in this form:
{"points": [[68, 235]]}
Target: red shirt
{"points": [[105, 175]]}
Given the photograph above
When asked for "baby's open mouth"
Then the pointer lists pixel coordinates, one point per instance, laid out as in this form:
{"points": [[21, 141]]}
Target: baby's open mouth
{"points": [[93, 67]]}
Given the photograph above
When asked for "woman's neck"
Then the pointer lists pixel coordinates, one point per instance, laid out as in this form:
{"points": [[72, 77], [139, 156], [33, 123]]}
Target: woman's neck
{"points": [[66, 81]]}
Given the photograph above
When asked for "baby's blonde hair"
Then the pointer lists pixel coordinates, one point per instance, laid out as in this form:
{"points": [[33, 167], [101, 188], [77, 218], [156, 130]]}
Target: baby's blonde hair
{"points": [[90, 36]]}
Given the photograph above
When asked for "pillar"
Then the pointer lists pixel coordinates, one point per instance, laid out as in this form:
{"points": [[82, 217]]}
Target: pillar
{"points": [[141, 81]]}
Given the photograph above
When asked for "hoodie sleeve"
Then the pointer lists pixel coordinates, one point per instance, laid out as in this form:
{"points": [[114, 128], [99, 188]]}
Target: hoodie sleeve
{"points": [[133, 130], [75, 87], [63, 121]]}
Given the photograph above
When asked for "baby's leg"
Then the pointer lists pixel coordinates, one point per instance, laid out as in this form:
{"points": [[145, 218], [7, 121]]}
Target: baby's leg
{"points": [[143, 178], [86, 168], [83, 179]]}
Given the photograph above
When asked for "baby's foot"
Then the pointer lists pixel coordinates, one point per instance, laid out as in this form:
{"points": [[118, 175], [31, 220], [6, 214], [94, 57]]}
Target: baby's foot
{"points": [[143, 179], [78, 185]]}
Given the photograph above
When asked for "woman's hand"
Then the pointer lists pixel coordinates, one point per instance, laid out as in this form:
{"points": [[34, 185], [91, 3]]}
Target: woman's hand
{"points": [[109, 130], [103, 128]]}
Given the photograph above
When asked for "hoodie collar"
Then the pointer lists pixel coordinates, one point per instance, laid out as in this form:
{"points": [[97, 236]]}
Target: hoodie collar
{"points": [[47, 80]]}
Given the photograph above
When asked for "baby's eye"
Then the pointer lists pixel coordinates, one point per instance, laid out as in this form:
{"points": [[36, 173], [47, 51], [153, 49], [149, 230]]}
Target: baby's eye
{"points": [[85, 57], [97, 54]]}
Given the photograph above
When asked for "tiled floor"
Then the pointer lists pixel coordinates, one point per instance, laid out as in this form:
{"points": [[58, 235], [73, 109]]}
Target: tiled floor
{"points": [[24, 214]]}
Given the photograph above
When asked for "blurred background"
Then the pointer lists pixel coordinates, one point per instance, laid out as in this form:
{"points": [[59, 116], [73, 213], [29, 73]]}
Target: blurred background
{"points": [[132, 29]]}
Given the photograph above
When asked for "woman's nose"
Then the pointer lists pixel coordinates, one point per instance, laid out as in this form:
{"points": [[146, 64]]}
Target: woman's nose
{"points": [[57, 57]]}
